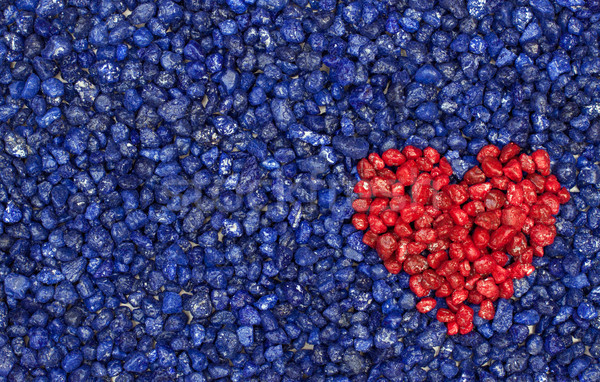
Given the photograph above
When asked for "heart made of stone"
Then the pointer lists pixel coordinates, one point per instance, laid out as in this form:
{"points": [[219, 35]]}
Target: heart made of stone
{"points": [[464, 241]]}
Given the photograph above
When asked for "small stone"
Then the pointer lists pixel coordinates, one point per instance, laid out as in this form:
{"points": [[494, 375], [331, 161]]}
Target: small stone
{"points": [[15, 145], [355, 148], [12, 213], [16, 286]]}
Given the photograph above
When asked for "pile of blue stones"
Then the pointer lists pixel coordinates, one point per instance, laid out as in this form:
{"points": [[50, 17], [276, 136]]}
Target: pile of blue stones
{"points": [[176, 183]]}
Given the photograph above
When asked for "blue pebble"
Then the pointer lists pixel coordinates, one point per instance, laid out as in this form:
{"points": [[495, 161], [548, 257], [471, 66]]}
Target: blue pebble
{"points": [[266, 302], [12, 214], [136, 362], [587, 311], [172, 303], [245, 335], [16, 286], [528, 317], [559, 65], [428, 75], [428, 112], [504, 317]]}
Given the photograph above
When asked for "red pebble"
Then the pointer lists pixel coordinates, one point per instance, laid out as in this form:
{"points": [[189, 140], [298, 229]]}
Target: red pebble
{"points": [[512, 170], [513, 216], [403, 229], [421, 189], [452, 328], [563, 195], [481, 237], [386, 246], [448, 267], [489, 151], [471, 281], [415, 248], [488, 288], [412, 212], [398, 203], [388, 175], [494, 200], [426, 305], [412, 152], [464, 268], [474, 176], [426, 235], [486, 310], [459, 296], [464, 318], [527, 163], [551, 201], [415, 264], [423, 164], [459, 216], [500, 182], [488, 220], [456, 281], [479, 191], [370, 238], [552, 184], [402, 251], [500, 274], [475, 297], [506, 289], [435, 259], [542, 234], [380, 187], [517, 246], [393, 266], [501, 237], [445, 315], [509, 151], [514, 194], [397, 189], [376, 224], [393, 157], [457, 193], [360, 222], [491, 167], [432, 154], [415, 286], [431, 280], [378, 205], [542, 161], [376, 161], [389, 217], [444, 291], [539, 182], [484, 264], [407, 173], [363, 189], [440, 182], [365, 169], [474, 208], [472, 253], [445, 167], [361, 205]]}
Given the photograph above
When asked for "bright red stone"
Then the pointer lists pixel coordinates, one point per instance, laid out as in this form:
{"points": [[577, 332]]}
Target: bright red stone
{"points": [[360, 222], [426, 305], [393, 157], [509, 151], [376, 161]]}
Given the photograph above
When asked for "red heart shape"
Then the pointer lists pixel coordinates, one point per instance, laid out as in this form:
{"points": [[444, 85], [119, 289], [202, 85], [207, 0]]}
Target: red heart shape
{"points": [[466, 240]]}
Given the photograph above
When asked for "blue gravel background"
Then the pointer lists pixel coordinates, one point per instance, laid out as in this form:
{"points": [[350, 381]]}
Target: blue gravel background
{"points": [[176, 180]]}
